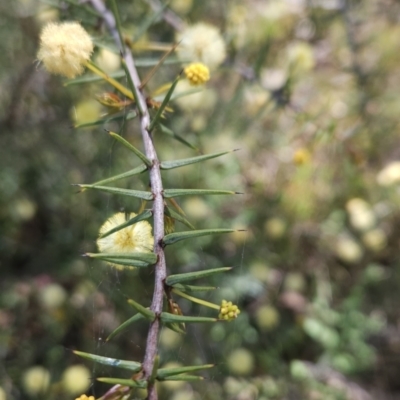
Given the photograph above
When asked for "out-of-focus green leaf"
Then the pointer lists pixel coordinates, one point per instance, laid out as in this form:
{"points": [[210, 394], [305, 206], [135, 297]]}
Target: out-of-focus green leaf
{"points": [[164, 103], [178, 236], [187, 161], [173, 214], [130, 115], [188, 276], [112, 362], [180, 139], [186, 378], [163, 373]]}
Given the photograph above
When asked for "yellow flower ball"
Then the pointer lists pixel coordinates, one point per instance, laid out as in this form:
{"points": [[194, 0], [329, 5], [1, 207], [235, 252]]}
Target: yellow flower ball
{"points": [[136, 238], [65, 48], [197, 74], [36, 380]]}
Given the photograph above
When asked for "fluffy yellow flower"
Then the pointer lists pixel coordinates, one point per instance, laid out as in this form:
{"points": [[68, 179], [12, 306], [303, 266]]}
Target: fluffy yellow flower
{"points": [[136, 238], [197, 74], [202, 43], [65, 48]]}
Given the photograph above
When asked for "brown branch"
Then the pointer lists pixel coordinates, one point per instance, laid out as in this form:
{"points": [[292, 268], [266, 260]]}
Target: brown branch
{"points": [[158, 202]]}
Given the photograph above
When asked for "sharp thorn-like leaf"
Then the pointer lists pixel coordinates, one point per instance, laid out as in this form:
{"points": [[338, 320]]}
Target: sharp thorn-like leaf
{"points": [[112, 362], [124, 325], [136, 171], [191, 288], [105, 120], [180, 139], [131, 148], [170, 318], [178, 236], [186, 378], [188, 276], [163, 373], [164, 103], [147, 313], [142, 216], [124, 382], [195, 192], [187, 161], [124, 192], [140, 260]]}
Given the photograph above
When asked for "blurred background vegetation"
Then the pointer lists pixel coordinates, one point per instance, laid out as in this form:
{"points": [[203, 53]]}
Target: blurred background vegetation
{"points": [[309, 94]]}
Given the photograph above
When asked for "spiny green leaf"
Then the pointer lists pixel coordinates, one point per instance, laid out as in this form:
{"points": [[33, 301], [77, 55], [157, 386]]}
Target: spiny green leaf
{"points": [[178, 236], [187, 161], [124, 325], [147, 313], [167, 372], [124, 192], [149, 258], [170, 318], [131, 148], [191, 288], [142, 216], [188, 276], [128, 174], [195, 192], [164, 104], [173, 214], [180, 139], [112, 362], [130, 115], [124, 382], [126, 263], [186, 378]]}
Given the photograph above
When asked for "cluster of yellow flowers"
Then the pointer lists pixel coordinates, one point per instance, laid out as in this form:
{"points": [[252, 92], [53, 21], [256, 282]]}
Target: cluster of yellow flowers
{"points": [[228, 311], [197, 74]]}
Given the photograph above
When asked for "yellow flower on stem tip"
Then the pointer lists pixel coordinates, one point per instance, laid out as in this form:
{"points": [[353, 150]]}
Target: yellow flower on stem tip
{"points": [[136, 238], [197, 74], [65, 48], [84, 397], [228, 311]]}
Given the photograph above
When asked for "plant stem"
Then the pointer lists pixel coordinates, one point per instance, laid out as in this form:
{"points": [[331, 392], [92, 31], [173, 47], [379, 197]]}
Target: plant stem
{"points": [[158, 203]]}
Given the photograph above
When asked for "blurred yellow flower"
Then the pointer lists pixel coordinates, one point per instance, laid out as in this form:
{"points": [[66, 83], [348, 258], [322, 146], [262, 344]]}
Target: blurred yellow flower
{"points": [[65, 48], [136, 238], [203, 43]]}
